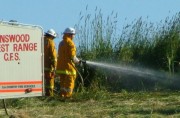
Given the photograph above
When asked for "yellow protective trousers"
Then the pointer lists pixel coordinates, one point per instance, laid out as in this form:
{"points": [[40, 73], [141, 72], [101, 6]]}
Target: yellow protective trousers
{"points": [[67, 83], [49, 84]]}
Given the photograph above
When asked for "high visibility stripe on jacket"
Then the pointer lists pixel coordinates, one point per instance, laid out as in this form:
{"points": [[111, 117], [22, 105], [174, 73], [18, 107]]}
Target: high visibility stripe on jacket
{"points": [[65, 72], [51, 87], [66, 89], [66, 52], [49, 69]]}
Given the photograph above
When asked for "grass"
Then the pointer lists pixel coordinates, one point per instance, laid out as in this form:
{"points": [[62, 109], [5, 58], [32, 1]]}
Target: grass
{"points": [[109, 105]]}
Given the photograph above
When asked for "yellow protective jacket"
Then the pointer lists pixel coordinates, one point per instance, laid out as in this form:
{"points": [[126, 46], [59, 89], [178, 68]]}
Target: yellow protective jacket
{"points": [[50, 54], [66, 52]]}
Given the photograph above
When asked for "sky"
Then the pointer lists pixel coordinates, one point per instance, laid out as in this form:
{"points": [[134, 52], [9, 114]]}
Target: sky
{"points": [[60, 14]]}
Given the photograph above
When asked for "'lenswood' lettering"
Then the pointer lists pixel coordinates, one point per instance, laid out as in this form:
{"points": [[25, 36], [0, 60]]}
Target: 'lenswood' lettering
{"points": [[14, 38]]}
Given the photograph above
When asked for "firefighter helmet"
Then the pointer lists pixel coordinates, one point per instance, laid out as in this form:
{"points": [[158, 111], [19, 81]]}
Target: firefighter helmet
{"points": [[52, 33], [69, 30]]}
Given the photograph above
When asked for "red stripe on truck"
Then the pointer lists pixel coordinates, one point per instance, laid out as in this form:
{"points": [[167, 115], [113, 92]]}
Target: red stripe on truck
{"points": [[21, 90], [25, 82]]}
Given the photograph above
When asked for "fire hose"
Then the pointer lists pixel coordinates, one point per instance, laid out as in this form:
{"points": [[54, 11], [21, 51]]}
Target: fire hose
{"points": [[82, 80]]}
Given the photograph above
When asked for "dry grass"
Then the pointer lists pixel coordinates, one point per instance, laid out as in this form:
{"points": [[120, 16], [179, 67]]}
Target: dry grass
{"points": [[116, 105]]}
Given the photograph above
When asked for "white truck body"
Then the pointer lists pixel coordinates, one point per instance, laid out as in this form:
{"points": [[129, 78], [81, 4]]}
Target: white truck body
{"points": [[21, 60]]}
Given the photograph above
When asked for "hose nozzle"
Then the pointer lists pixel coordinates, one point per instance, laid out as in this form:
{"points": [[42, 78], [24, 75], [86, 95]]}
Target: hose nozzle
{"points": [[82, 62]]}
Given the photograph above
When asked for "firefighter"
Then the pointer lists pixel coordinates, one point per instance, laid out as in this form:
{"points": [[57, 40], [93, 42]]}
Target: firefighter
{"points": [[50, 61], [66, 63]]}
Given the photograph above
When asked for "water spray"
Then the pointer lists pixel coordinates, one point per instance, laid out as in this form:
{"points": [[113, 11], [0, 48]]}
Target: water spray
{"points": [[129, 70], [161, 77]]}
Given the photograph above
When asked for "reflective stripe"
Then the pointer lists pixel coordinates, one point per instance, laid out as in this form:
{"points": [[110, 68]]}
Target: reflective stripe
{"points": [[66, 89], [49, 69], [51, 87], [65, 72]]}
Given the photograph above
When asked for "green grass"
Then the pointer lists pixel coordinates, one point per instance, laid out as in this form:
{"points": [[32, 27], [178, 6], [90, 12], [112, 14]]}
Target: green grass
{"points": [[99, 105]]}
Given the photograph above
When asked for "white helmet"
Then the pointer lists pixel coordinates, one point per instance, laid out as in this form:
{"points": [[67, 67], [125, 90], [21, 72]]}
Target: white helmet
{"points": [[52, 33], [69, 30]]}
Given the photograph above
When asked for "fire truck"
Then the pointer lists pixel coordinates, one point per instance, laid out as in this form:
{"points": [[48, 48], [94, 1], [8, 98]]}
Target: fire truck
{"points": [[21, 60]]}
